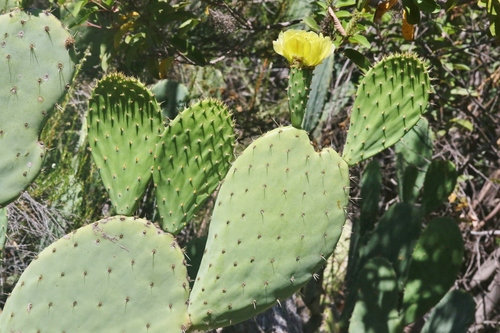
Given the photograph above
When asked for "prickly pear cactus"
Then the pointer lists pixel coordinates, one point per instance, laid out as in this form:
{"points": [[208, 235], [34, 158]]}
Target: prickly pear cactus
{"points": [[115, 275], [192, 157], [278, 216], [36, 64], [124, 124], [390, 99]]}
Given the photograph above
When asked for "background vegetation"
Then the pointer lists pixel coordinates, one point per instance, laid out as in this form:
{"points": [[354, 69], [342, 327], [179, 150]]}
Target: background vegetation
{"points": [[223, 49]]}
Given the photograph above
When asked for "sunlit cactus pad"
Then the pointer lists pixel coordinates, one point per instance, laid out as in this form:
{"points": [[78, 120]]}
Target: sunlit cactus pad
{"points": [[389, 102], [278, 216], [192, 157], [114, 275], [124, 124], [36, 68]]}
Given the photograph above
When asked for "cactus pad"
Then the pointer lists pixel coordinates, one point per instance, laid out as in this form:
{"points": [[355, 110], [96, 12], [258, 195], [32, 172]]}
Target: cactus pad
{"points": [[453, 314], [124, 124], [389, 102], [413, 156], [439, 182], [192, 157], [36, 65], [114, 275], [394, 238], [435, 263], [6, 5], [298, 93], [377, 299], [278, 216], [4, 223]]}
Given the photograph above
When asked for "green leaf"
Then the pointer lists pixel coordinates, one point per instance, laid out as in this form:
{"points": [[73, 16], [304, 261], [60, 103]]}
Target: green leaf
{"points": [[358, 58], [78, 7], [188, 50], [461, 67], [343, 14], [412, 11], [463, 123], [428, 6], [361, 4], [311, 23], [359, 39]]}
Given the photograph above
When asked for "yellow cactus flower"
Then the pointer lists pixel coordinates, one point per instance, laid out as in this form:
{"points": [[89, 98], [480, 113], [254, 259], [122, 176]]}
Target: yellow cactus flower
{"points": [[303, 48]]}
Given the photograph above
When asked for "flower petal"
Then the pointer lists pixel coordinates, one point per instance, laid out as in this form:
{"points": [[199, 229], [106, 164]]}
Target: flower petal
{"points": [[302, 48]]}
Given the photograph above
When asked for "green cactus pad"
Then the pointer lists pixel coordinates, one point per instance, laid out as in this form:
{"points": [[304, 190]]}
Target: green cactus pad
{"points": [[439, 183], [435, 264], [298, 93], [377, 300], [389, 102], [394, 238], [6, 5], [124, 124], [453, 314], [171, 96], [192, 157], [115, 275], [278, 216], [4, 223], [320, 82], [36, 65], [413, 156], [371, 187]]}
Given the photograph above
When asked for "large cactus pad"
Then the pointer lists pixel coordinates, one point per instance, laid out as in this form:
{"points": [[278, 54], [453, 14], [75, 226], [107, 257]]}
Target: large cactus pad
{"points": [[36, 67], [114, 275], [278, 216], [389, 102]]}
